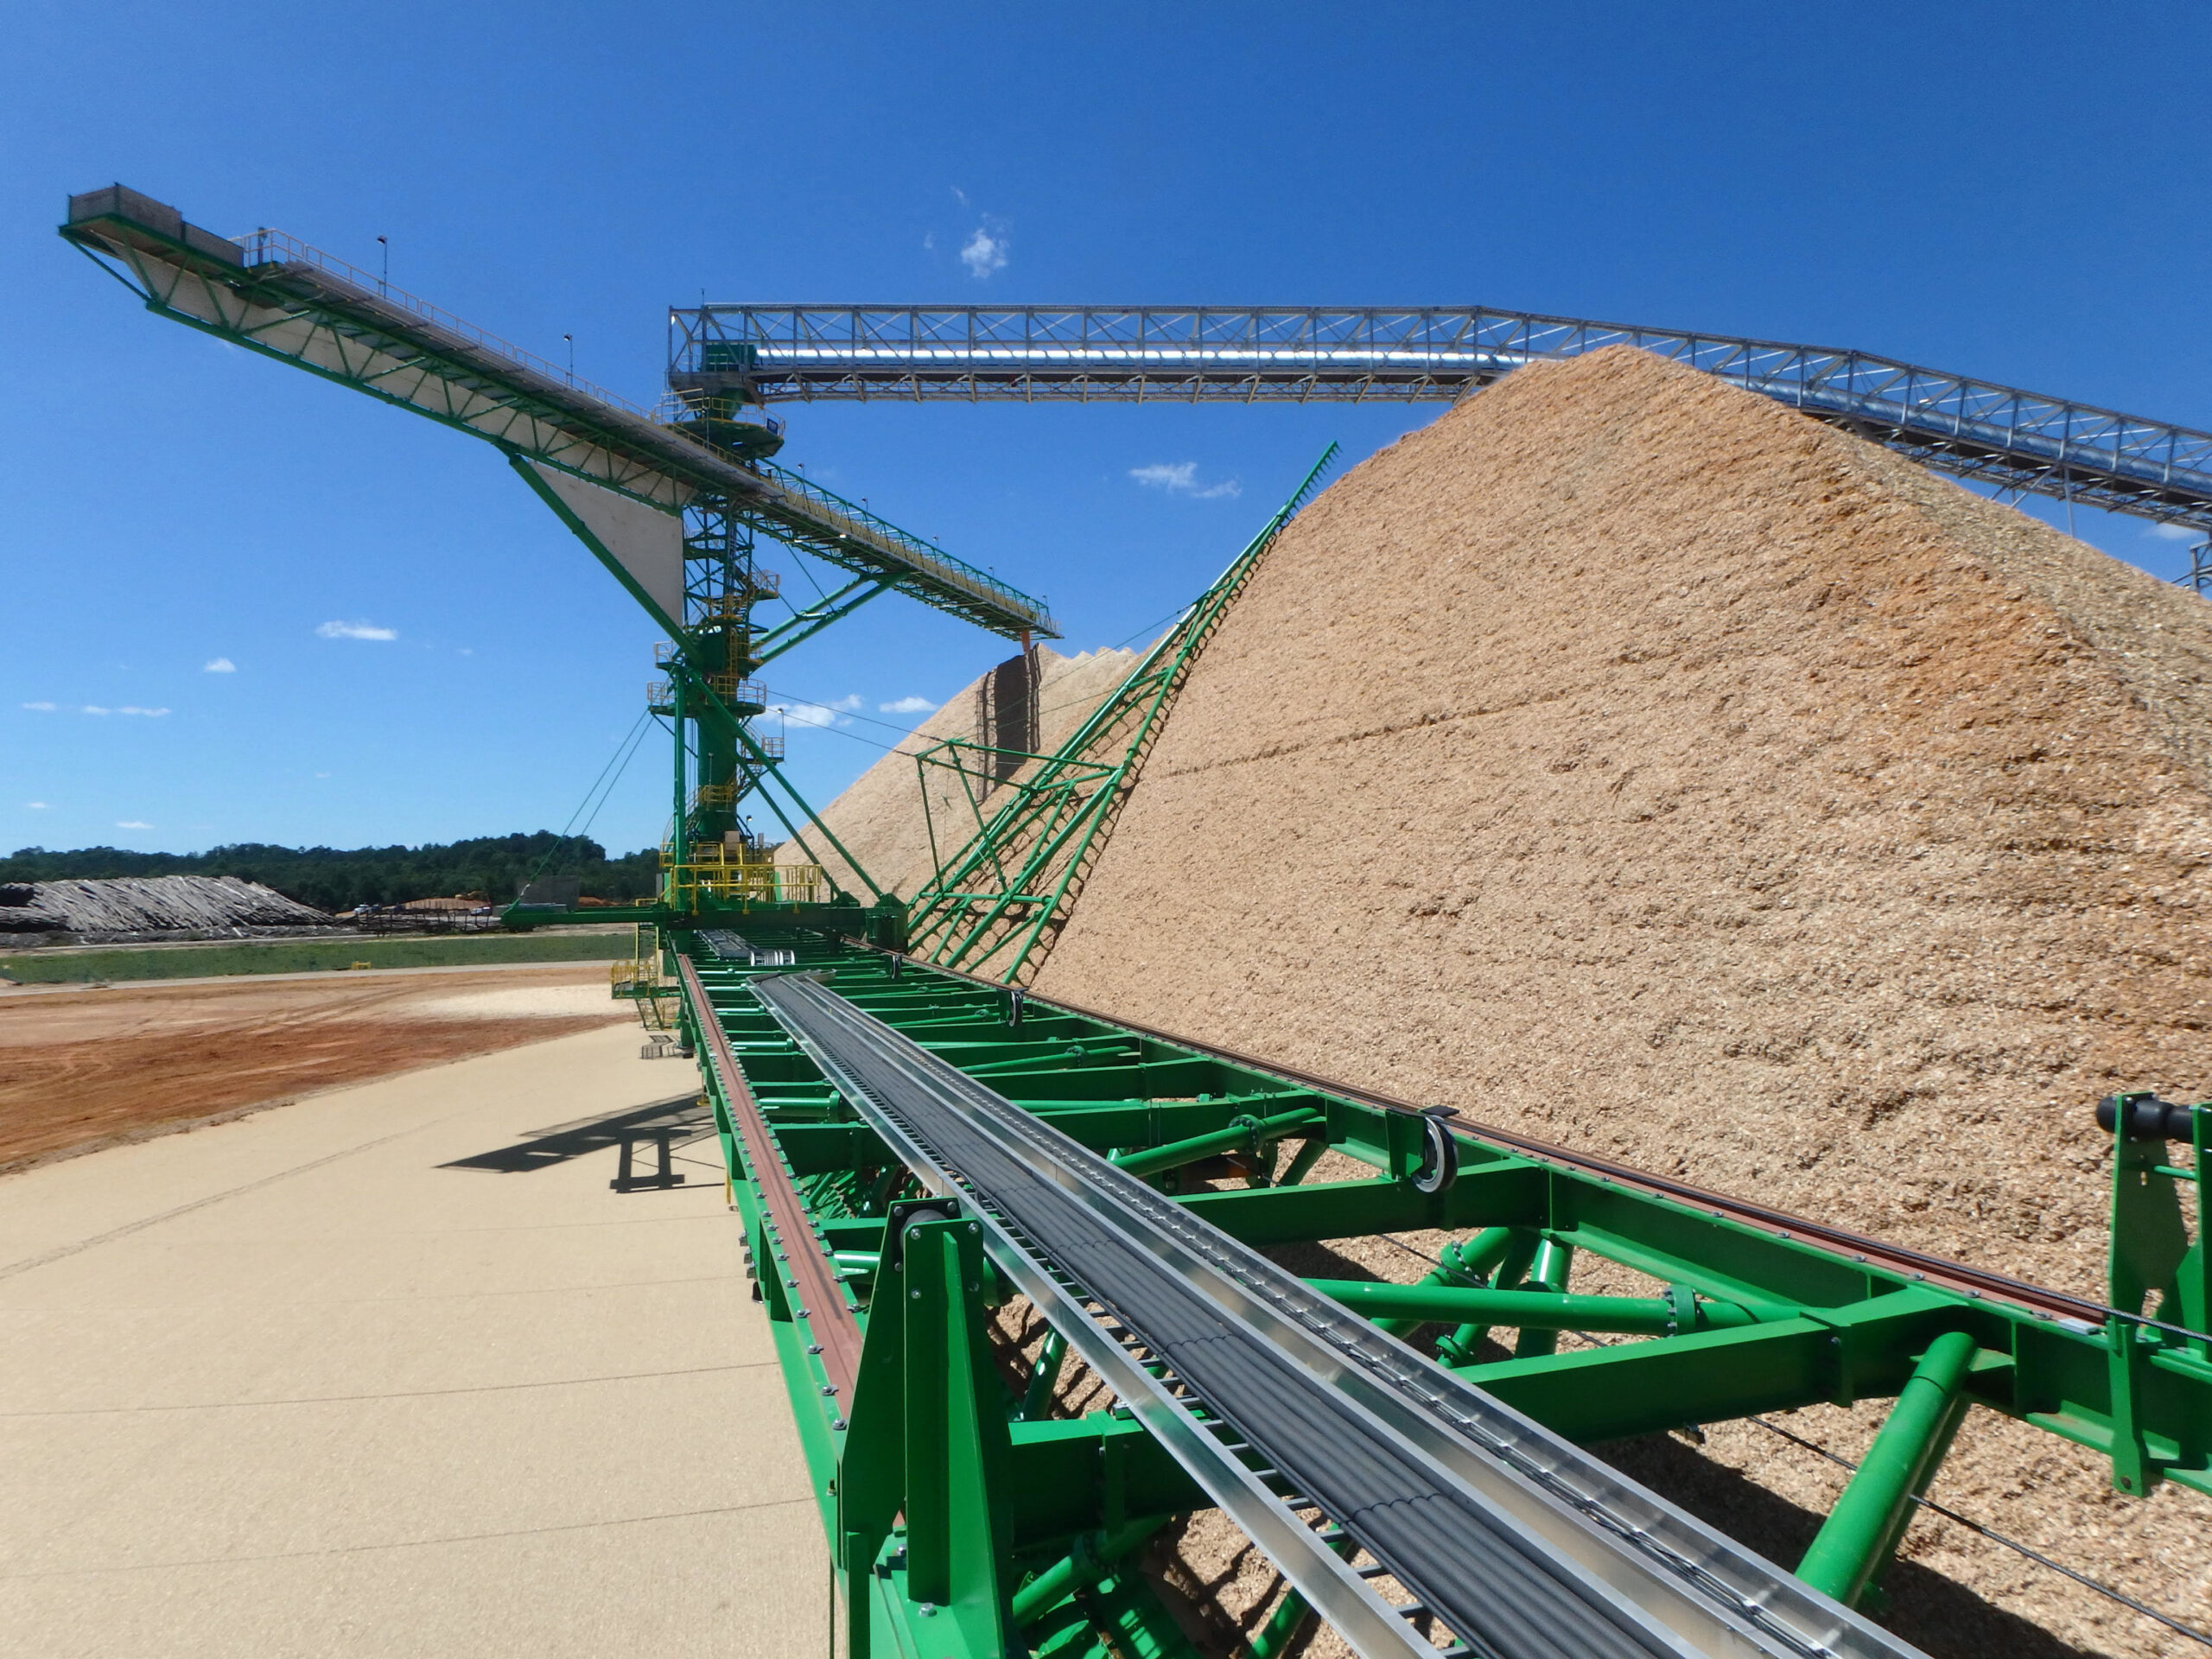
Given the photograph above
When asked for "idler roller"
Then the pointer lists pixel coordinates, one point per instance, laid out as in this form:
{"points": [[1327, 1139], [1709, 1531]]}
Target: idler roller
{"points": [[2147, 1117]]}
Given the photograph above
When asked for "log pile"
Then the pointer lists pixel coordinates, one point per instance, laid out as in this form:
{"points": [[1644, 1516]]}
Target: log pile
{"points": [[131, 908]]}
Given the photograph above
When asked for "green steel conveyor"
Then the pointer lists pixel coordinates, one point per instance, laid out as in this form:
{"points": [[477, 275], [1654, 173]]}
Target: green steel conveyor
{"points": [[911, 1148]]}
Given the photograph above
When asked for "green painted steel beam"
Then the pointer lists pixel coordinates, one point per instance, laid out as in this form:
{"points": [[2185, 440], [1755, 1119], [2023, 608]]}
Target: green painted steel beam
{"points": [[1318, 1211], [1764, 1319], [1536, 1310], [275, 295], [803, 625], [1857, 1540], [991, 903], [1247, 1134], [1090, 1561]]}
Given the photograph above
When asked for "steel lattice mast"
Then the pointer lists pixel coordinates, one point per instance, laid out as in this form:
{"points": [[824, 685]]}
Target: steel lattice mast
{"points": [[2001, 436]]}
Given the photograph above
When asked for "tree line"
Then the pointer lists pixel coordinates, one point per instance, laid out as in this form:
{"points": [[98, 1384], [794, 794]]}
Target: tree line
{"points": [[332, 878]]}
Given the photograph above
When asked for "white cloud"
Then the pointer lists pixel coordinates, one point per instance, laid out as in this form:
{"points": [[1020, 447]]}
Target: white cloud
{"points": [[986, 251], [1181, 478], [132, 824], [849, 701], [960, 195], [36, 806], [2173, 532], [929, 242], [907, 706], [98, 709], [221, 665], [356, 631], [809, 714]]}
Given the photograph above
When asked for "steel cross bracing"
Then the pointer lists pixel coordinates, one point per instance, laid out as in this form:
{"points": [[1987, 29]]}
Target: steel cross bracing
{"points": [[1000, 891], [2001, 436], [850, 1124]]}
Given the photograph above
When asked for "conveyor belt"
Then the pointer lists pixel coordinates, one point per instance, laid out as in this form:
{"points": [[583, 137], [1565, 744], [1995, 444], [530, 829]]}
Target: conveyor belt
{"points": [[1521, 1544], [1906, 1262], [735, 947]]}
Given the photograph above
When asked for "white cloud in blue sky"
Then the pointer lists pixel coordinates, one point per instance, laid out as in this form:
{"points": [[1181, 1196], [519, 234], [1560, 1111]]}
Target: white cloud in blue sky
{"points": [[221, 665], [2170, 532], [1181, 478], [986, 251], [356, 631], [905, 706], [819, 714], [44, 708]]}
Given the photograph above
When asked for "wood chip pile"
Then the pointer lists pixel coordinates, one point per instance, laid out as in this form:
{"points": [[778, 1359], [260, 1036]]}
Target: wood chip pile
{"points": [[1631, 760]]}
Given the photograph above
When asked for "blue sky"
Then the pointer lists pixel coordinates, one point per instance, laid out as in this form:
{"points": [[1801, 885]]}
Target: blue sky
{"points": [[1996, 191]]}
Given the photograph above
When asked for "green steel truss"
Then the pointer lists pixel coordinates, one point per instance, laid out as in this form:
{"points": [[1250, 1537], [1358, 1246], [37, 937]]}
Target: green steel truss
{"points": [[968, 1514], [1000, 894], [672, 515]]}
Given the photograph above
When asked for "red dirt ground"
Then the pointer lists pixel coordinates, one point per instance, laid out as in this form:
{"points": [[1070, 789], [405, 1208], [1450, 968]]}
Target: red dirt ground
{"points": [[81, 1069]]}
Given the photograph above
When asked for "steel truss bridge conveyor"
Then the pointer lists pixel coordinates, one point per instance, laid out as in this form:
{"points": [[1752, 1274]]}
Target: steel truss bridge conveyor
{"points": [[2001, 436], [917, 1154]]}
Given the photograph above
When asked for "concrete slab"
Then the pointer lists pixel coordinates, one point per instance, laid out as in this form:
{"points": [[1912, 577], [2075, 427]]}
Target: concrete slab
{"points": [[346, 1378]]}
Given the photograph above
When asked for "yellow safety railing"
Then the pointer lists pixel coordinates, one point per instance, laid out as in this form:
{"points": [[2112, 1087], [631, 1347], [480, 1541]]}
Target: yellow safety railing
{"points": [[734, 689], [744, 878], [640, 977]]}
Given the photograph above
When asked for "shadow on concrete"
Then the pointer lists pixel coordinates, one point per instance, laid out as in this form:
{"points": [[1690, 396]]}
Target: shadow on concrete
{"points": [[666, 1121]]}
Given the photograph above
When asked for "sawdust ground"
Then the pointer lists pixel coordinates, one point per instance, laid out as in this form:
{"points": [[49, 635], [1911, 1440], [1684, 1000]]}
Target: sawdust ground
{"points": [[81, 1069], [1750, 805]]}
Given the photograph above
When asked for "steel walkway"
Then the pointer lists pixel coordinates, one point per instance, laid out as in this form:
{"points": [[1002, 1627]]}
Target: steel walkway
{"points": [[1519, 1542], [1999, 435]]}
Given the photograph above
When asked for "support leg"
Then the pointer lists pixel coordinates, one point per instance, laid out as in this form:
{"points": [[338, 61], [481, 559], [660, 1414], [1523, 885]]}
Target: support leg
{"points": [[1554, 1262], [1855, 1544]]}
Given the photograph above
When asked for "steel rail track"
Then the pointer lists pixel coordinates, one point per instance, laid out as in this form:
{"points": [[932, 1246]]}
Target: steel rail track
{"points": [[1920, 1266], [1522, 1544]]}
